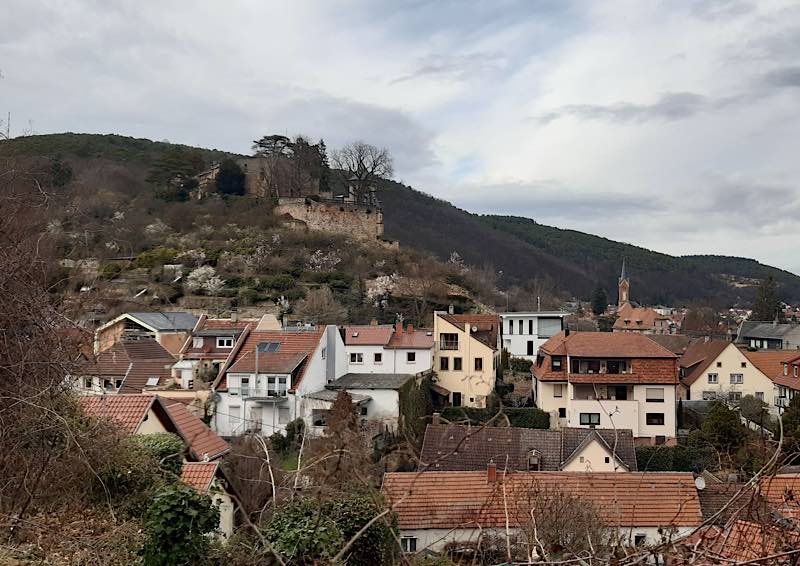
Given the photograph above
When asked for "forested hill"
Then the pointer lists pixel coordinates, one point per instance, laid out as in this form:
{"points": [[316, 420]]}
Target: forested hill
{"points": [[575, 261], [521, 248]]}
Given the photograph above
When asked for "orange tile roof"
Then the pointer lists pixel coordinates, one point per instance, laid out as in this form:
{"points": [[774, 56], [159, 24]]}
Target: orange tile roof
{"points": [[368, 335], [782, 492], [450, 500], [605, 344], [770, 363], [305, 342], [199, 475], [128, 411], [698, 356], [116, 361], [201, 440], [639, 318], [743, 542], [418, 338]]}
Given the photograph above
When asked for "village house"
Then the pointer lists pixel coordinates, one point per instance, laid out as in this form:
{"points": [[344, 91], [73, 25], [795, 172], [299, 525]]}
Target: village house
{"points": [[262, 385], [717, 369], [209, 479], [388, 348], [769, 335], [608, 380], [126, 367], [170, 329], [634, 318], [523, 332], [148, 414], [450, 447], [466, 356], [436, 508], [783, 369]]}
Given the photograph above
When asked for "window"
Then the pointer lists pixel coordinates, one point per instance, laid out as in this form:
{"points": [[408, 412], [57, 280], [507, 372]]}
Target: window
{"points": [[456, 364], [478, 364], [562, 412], [530, 347], [795, 371], [520, 327], [558, 390], [590, 419], [363, 411], [556, 362], [719, 364], [713, 378], [709, 395], [117, 384], [408, 544], [655, 418], [737, 378], [744, 364], [444, 364], [356, 358], [377, 357], [283, 415], [197, 342], [735, 396], [786, 369], [224, 342], [510, 327], [456, 399], [607, 460], [324, 352], [530, 326], [655, 395], [245, 386], [152, 381], [268, 347], [87, 383], [639, 539], [448, 341], [190, 384], [760, 395], [411, 357]]}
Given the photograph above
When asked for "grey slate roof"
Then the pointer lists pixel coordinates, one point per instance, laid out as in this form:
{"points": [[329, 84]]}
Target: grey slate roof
{"points": [[371, 381], [166, 320], [766, 330], [330, 395], [461, 448]]}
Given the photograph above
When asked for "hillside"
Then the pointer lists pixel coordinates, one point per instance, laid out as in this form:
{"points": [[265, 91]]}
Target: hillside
{"points": [[522, 249]]}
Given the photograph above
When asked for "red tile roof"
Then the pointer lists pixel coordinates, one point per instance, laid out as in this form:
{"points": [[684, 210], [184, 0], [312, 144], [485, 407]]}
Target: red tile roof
{"points": [[605, 344], [199, 475], [201, 440], [417, 338], [742, 542], [698, 356], [770, 363], [141, 371], [120, 359], [487, 325], [449, 500], [368, 335], [128, 411], [304, 342], [639, 318], [782, 492]]}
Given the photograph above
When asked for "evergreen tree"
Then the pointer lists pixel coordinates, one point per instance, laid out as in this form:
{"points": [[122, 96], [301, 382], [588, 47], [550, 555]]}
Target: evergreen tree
{"points": [[723, 428], [230, 178], [599, 301], [767, 304]]}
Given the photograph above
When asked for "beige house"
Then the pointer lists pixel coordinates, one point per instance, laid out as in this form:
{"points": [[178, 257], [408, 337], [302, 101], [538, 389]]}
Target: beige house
{"points": [[208, 478], [466, 355], [717, 369], [170, 329]]}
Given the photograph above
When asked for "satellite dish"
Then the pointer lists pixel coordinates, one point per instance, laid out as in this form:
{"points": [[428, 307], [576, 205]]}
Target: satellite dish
{"points": [[474, 328], [700, 483]]}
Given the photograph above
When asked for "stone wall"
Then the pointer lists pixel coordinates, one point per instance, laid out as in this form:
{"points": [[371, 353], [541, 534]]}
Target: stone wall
{"points": [[356, 221]]}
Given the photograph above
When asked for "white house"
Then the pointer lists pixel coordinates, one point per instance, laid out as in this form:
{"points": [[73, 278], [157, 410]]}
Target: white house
{"points": [[262, 386], [388, 349], [609, 380], [524, 332], [436, 508]]}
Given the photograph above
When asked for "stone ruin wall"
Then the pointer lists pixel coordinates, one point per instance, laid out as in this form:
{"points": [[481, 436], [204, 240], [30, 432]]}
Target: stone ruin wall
{"points": [[355, 221]]}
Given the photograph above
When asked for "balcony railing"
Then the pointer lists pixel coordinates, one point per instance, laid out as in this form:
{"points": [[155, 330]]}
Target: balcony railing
{"points": [[448, 344], [254, 393]]}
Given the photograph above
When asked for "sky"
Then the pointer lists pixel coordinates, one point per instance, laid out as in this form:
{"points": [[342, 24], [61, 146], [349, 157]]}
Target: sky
{"points": [[670, 124]]}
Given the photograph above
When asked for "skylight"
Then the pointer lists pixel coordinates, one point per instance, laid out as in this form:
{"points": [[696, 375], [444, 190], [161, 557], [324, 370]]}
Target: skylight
{"points": [[264, 347], [152, 381]]}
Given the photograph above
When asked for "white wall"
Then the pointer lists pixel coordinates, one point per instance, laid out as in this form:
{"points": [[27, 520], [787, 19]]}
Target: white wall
{"points": [[593, 459], [423, 360], [393, 360], [517, 344], [547, 401]]}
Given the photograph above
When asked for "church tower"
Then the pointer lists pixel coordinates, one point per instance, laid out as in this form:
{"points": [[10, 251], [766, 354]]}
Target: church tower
{"points": [[624, 287]]}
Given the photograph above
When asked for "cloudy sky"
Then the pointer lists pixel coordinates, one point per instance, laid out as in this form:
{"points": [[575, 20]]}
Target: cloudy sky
{"points": [[671, 124]]}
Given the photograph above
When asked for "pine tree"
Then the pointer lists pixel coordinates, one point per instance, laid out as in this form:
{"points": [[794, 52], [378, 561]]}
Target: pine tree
{"points": [[599, 301], [767, 304]]}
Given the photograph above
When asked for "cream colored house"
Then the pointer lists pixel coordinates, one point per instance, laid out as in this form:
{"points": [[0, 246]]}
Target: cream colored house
{"points": [[208, 478], [720, 370], [466, 355]]}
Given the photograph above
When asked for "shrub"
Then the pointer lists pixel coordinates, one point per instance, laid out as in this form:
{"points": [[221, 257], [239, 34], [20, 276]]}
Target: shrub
{"points": [[282, 282], [302, 532], [520, 365], [230, 178], [110, 271], [166, 448], [680, 458], [156, 257]]}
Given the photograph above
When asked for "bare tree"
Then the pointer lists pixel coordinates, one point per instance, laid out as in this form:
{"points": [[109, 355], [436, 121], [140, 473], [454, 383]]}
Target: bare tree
{"points": [[363, 164], [321, 307]]}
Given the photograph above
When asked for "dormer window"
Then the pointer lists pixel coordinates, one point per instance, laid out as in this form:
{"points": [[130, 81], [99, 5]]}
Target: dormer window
{"points": [[795, 371], [534, 461], [556, 362]]}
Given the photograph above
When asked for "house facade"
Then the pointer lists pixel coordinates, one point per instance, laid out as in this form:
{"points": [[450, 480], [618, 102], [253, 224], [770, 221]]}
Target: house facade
{"points": [[209, 479], [263, 384], [769, 335], [717, 369], [643, 320], [783, 369], [170, 329], [437, 508], [388, 349], [522, 333], [466, 356], [608, 380]]}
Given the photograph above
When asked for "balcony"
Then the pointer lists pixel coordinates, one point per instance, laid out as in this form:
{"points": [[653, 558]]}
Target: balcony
{"points": [[269, 395], [448, 344], [781, 401]]}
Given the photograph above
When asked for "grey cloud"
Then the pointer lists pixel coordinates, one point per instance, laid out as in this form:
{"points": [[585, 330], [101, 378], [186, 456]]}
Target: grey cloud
{"points": [[712, 10], [669, 107], [785, 77], [457, 67]]}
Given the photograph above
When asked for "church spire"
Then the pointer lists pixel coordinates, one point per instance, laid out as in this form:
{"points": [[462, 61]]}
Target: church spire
{"points": [[624, 287], [622, 273]]}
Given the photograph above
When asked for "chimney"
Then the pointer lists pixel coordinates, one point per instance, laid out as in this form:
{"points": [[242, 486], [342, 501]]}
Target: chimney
{"points": [[398, 327], [435, 419], [450, 309], [373, 322], [491, 472], [234, 315]]}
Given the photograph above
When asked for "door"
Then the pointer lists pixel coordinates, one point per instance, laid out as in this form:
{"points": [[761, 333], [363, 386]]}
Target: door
{"points": [[456, 399]]}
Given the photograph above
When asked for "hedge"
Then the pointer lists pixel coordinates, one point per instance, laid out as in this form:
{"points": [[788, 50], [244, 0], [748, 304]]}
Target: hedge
{"points": [[680, 458], [526, 417]]}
